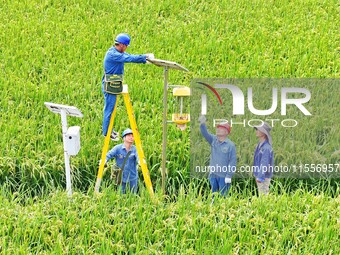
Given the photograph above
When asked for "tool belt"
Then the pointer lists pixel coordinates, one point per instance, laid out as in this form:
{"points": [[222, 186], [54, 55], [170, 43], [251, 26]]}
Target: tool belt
{"points": [[117, 172], [116, 175], [113, 83]]}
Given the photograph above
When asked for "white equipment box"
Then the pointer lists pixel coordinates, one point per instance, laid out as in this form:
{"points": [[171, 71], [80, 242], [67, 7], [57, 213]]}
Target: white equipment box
{"points": [[72, 140]]}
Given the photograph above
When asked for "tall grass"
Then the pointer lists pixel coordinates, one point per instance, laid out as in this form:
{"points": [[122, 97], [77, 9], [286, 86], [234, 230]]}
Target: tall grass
{"points": [[53, 51], [297, 223]]}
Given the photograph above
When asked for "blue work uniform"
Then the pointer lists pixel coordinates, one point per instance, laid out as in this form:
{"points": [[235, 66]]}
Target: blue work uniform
{"points": [[130, 173], [263, 161], [222, 163], [114, 64]]}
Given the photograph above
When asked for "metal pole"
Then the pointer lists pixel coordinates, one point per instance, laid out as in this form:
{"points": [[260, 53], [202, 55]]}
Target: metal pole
{"points": [[67, 157], [165, 103]]}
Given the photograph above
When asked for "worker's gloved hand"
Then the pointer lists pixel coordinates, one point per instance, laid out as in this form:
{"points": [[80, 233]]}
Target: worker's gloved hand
{"points": [[149, 56], [202, 119]]}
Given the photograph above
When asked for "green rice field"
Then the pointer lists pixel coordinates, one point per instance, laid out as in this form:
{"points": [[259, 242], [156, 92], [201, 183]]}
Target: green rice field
{"points": [[52, 51]]}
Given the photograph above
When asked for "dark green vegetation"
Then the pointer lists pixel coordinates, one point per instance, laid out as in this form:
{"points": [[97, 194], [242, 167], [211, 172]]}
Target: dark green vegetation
{"points": [[53, 51]]}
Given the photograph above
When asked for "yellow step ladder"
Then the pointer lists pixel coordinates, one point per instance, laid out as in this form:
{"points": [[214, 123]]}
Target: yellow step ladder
{"points": [[138, 142]]}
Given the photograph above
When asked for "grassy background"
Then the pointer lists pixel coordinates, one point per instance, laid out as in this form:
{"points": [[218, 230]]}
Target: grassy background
{"points": [[297, 223], [53, 51]]}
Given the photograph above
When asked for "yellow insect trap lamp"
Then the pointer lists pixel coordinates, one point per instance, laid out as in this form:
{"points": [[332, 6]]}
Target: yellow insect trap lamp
{"points": [[182, 117]]}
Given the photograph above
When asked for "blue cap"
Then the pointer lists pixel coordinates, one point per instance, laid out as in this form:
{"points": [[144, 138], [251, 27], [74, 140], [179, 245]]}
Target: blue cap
{"points": [[123, 38], [126, 132]]}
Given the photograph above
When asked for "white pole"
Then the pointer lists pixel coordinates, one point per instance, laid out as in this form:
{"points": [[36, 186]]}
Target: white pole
{"points": [[204, 104], [67, 157]]}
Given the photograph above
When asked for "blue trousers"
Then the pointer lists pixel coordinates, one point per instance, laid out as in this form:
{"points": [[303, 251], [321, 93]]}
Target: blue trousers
{"points": [[132, 185], [109, 104], [219, 185]]}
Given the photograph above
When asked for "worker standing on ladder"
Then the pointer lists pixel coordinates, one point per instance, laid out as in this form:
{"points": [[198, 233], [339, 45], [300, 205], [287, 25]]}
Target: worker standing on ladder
{"points": [[114, 61]]}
